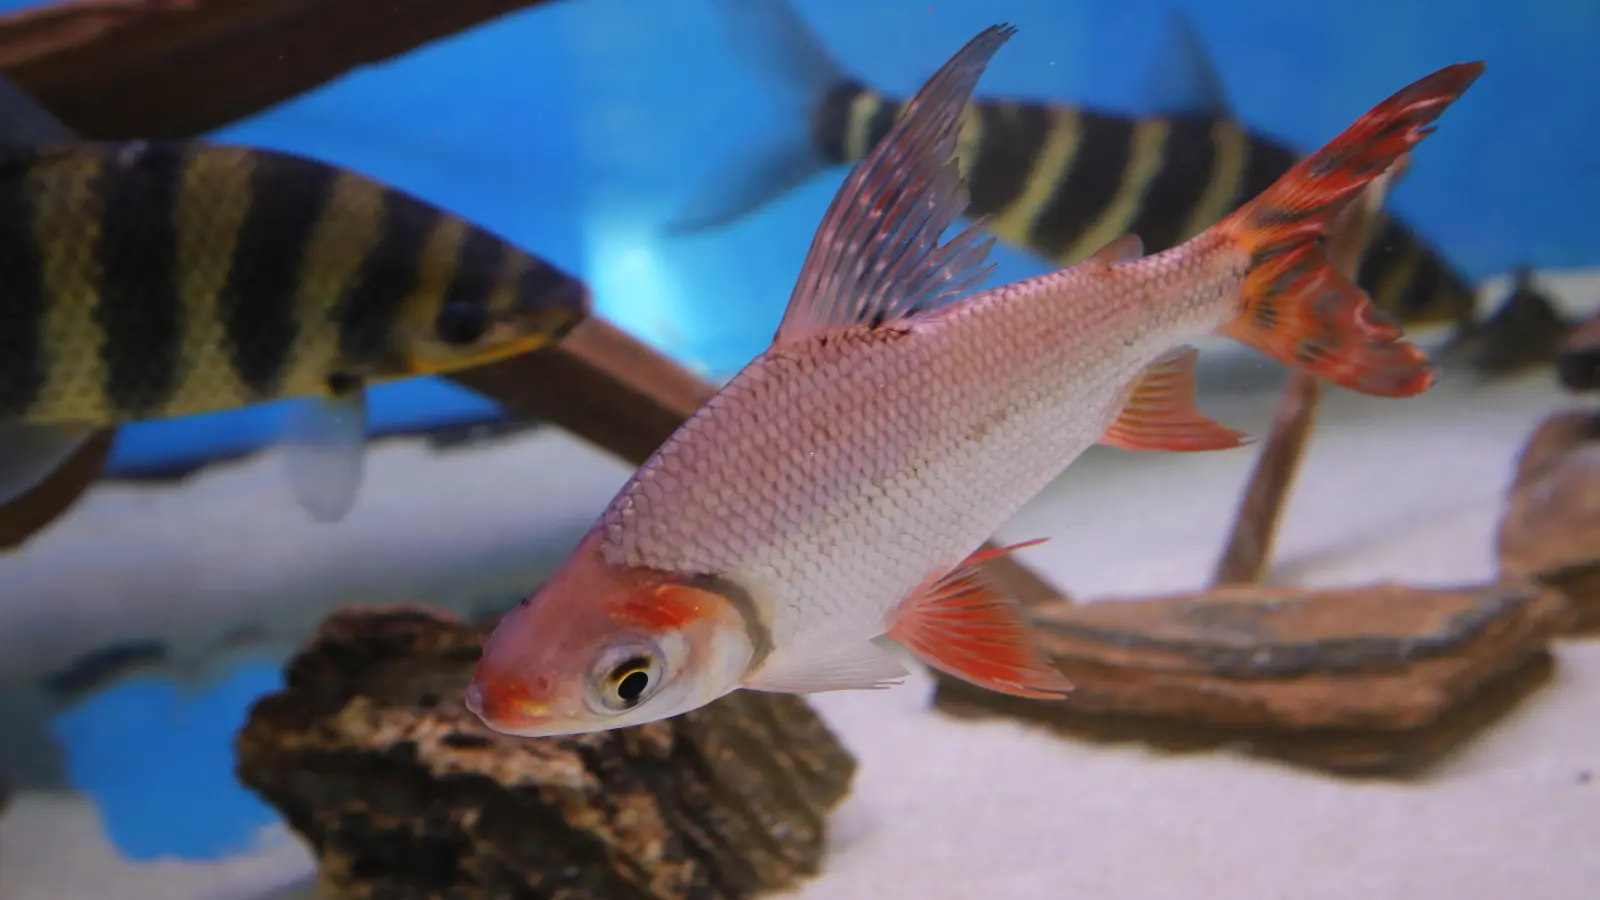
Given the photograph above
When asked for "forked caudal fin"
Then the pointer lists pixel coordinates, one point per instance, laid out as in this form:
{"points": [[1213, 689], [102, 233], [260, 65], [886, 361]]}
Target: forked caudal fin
{"points": [[772, 38], [1296, 308]]}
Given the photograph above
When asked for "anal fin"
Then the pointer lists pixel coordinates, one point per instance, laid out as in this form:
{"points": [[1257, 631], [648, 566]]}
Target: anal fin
{"points": [[325, 445], [1160, 411], [842, 666], [966, 626], [30, 452]]}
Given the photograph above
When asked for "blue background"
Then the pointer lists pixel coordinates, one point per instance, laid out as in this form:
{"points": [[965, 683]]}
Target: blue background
{"points": [[576, 128]]}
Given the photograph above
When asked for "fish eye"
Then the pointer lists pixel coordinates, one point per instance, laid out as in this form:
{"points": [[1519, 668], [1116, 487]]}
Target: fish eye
{"points": [[461, 323], [629, 682]]}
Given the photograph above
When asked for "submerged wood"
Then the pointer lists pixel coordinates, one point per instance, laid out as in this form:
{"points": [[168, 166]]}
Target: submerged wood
{"points": [[29, 514], [369, 755], [1377, 680], [1550, 532], [159, 69], [1248, 551]]}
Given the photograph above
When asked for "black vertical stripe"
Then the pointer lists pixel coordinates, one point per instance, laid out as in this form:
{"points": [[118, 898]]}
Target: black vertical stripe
{"points": [[140, 312], [464, 309], [1009, 145], [881, 120], [830, 121], [1105, 146], [22, 300], [287, 197], [369, 310], [1265, 162], [1423, 295], [1188, 158], [542, 286], [1455, 296]]}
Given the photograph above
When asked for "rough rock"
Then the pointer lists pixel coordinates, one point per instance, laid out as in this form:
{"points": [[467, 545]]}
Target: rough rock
{"points": [[1578, 360], [370, 756], [1550, 532], [1384, 679]]}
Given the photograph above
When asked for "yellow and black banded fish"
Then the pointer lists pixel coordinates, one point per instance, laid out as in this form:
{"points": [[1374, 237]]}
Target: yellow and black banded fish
{"points": [[143, 280], [1056, 180]]}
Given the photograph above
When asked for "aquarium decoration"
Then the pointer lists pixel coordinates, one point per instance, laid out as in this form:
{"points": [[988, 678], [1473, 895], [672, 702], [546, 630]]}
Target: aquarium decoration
{"points": [[1551, 530], [370, 755]]}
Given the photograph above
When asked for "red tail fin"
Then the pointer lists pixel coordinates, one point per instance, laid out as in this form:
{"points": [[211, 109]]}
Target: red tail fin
{"points": [[1296, 307]]}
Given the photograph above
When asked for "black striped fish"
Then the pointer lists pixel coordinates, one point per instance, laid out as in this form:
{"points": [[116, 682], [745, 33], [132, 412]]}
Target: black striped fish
{"points": [[1061, 181], [144, 280]]}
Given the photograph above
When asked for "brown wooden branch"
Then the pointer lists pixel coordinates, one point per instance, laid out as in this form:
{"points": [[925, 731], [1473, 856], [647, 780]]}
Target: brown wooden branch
{"points": [[29, 514], [118, 69]]}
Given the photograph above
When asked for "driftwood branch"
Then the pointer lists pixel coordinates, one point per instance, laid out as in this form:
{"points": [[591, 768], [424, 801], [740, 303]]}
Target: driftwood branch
{"points": [[118, 69], [369, 754]]}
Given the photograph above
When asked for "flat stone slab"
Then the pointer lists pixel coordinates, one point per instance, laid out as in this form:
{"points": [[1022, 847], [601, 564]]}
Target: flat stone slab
{"points": [[1377, 679]]}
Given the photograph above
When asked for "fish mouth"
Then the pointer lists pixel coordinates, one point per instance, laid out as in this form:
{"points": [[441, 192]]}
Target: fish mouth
{"points": [[508, 708]]}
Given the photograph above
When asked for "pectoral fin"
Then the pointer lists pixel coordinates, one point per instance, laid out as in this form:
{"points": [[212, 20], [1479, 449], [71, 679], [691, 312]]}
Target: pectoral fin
{"points": [[325, 445], [965, 625], [29, 453]]}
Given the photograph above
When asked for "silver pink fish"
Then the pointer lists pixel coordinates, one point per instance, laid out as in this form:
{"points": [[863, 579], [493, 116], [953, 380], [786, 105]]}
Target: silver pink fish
{"points": [[833, 494]]}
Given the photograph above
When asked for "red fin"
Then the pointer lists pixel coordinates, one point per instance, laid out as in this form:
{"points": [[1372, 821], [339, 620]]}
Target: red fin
{"points": [[667, 607], [1160, 412], [876, 257], [1296, 308], [967, 627]]}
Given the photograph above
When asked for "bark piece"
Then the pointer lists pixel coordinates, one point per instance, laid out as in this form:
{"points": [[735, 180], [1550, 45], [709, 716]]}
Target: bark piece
{"points": [[1550, 532], [1384, 679], [1578, 360], [29, 514], [1526, 330], [369, 754]]}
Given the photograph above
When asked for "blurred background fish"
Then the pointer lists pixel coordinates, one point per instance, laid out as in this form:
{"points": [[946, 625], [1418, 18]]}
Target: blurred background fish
{"points": [[146, 280], [1059, 180]]}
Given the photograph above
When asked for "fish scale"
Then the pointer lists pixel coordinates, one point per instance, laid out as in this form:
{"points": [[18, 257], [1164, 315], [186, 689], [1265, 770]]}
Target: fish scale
{"points": [[910, 447]]}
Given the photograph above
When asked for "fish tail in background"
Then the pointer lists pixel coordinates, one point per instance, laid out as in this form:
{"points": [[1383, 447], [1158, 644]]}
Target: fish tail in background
{"points": [[771, 38], [29, 453], [1295, 307]]}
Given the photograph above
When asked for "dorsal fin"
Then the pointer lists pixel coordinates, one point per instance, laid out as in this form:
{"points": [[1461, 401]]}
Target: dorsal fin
{"points": [[1184, 80], [876, 256]]}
